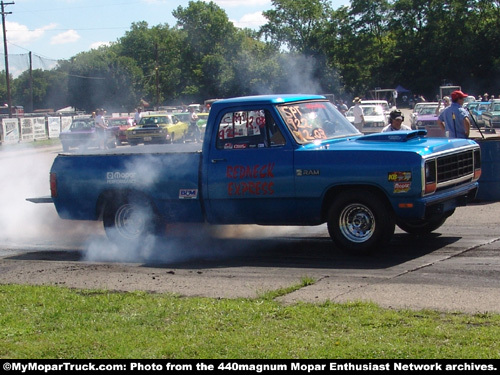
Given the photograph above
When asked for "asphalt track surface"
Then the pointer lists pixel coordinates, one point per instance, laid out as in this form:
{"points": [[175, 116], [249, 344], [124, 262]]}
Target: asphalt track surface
{"points": [[457, 268]]}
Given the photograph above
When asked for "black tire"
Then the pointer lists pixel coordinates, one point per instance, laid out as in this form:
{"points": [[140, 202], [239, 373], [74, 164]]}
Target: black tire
{"points": [[360, 222], [131, 219], [422, 227]]}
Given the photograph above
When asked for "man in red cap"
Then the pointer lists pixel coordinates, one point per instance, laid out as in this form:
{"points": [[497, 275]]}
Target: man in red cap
{"points": [[454, 120]]}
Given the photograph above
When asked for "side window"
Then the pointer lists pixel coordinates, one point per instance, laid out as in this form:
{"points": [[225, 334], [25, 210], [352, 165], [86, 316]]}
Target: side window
{"points": [[247, 129]]}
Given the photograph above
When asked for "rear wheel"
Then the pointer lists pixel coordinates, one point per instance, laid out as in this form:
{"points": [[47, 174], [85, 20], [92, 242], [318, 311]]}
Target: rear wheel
{"points": [[130, 219], [360, 222]]}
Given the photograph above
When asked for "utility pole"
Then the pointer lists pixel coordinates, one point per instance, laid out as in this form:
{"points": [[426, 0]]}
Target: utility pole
{"points": [[30, 109], [9, 100]]}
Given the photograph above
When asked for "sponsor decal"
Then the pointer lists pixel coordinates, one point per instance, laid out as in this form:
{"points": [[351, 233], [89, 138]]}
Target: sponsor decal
{"points": [[239, 146], [188, 193], [402, 187], [121, 177], [307, 172], [399, 176]]}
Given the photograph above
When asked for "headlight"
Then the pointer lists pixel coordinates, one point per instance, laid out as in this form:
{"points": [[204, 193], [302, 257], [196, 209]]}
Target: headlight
{"points": [[419, 123]]}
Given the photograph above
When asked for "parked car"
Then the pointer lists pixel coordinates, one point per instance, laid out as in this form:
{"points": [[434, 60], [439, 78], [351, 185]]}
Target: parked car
{"points": [[374, 115], [491, 116], [416, 110], [476, 110], [163, 128], [427, 119], [120, 125], [82, 133]]}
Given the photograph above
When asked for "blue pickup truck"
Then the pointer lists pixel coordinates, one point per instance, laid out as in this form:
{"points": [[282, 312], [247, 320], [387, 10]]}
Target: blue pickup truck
{"points": [[273, 160]]}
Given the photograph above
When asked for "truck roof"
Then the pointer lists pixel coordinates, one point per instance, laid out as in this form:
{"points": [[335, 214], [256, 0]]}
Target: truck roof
{"points": [[266, 99]]}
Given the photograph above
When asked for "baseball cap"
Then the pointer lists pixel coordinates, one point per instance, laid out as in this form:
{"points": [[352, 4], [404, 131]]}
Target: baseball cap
{"points": [[458, 95], [396, 115]]}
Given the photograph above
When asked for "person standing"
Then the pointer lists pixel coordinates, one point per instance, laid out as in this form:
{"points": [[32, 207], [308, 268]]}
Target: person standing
{"points": [[357, 111], [100, 127], [193, 124], [396, 119], [446, 103], [454, 120], [138, 115]]}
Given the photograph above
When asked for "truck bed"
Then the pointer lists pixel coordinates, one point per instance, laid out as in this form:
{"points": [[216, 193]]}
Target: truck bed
{"points": [[168, 174]]}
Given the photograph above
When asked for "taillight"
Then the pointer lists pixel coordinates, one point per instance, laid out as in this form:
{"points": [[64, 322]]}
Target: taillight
{"points": [[53, 185]]}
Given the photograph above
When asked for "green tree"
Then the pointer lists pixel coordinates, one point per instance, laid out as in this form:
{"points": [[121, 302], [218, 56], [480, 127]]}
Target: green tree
{"points": [[101, 78], [156, 52], [210, 44]]}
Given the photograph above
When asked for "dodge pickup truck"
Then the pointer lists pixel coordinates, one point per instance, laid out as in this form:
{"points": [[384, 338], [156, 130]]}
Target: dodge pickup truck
{"points": [[273, 160]]}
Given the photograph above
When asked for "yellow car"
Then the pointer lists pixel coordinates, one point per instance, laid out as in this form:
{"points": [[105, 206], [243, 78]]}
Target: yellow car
{"points": [[158, 128]]}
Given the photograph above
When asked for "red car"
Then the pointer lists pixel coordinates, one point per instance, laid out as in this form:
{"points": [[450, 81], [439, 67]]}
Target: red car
{"points": [[120, 124]]}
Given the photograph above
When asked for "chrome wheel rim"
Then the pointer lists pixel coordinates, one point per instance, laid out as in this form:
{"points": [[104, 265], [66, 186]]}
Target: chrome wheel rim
{"points": [[357, 223]]}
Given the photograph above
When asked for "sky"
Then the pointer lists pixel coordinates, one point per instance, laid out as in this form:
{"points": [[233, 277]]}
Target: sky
{"points": [[60, 29]]}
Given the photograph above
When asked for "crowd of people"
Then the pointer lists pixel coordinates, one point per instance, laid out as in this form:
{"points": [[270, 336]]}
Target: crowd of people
{"points": [[453, 118]]}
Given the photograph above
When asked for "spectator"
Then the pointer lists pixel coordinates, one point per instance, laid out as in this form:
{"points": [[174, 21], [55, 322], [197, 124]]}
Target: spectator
{"points": [[100, 127], [357, 111], [446, 103], [396, 119], [138, 115], [342, 107], [454, 120]]}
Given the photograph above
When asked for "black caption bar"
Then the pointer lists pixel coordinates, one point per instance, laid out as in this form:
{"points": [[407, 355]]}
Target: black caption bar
{"points": [[249, 366]]}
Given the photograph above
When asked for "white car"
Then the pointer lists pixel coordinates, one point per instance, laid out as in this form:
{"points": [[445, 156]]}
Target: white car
{"points": [[383, 103], [374, 115]]}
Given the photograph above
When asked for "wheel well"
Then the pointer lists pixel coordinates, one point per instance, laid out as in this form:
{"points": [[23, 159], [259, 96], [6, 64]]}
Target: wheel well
{"points": [[336, 190]]}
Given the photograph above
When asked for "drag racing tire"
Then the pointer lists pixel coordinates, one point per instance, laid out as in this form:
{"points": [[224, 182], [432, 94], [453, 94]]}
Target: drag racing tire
{"points": [[360, 222], [131, 219]]}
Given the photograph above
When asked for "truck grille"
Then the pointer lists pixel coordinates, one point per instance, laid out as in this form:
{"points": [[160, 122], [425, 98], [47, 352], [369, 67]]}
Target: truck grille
{"points": [[455, 166]]}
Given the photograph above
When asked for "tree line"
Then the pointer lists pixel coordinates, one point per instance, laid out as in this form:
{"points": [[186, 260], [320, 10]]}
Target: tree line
{"points": [[305, 46]]}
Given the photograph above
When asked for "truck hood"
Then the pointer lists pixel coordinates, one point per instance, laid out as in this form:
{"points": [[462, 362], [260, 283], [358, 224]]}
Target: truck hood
{"points": [[398, 141]]}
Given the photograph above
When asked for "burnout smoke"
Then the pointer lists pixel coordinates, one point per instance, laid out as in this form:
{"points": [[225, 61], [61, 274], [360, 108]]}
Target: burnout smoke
{"points": [[25, 173]]}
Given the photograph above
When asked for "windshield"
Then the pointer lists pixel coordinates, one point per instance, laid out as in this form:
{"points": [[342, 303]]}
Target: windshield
{"points": [[154, 121], [431, 110], [315, 121]]}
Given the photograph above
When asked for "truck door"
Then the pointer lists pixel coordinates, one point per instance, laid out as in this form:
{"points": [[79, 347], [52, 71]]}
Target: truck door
{"points": [[249, 175]]}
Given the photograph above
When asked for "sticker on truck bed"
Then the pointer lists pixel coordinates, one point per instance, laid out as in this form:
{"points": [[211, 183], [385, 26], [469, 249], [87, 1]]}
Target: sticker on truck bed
{"points": [[121, 177], [188, 193]]}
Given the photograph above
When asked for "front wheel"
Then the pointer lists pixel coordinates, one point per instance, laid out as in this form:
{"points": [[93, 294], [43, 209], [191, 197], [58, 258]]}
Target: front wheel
{"points": [[131, 219], [360, 222]]}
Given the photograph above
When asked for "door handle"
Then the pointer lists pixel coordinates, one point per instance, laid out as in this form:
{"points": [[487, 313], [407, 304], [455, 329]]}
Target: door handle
{"points": [[215, 161]]}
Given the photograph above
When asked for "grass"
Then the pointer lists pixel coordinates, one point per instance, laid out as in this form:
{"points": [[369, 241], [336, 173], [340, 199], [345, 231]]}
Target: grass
{"points": [[34, 144], [55, 322]]}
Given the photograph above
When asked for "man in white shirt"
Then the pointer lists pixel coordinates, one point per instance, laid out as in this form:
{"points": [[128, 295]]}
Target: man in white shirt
{"points": [[138, 115], [100, 127], [359, 118]]}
